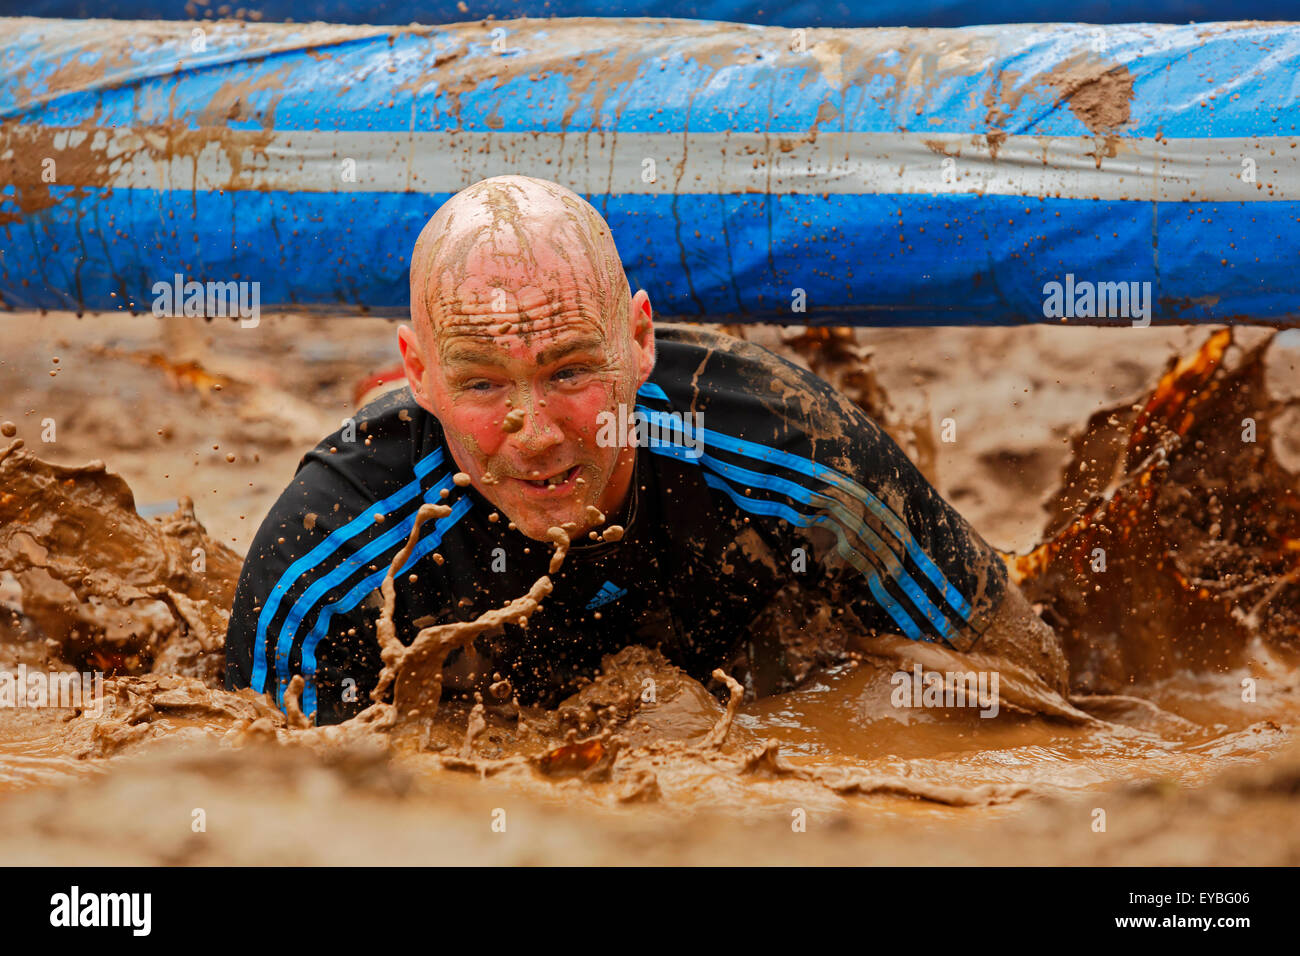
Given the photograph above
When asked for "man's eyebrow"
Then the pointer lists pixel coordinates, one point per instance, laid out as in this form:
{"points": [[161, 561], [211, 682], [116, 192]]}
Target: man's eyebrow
{"points": [[478, 355], [588, 343]]}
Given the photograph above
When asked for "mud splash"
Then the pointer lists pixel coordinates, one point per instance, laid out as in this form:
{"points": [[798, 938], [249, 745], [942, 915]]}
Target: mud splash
{"points": [[1100, 94], [90, 568], [1176, 532], [1199, 594]]}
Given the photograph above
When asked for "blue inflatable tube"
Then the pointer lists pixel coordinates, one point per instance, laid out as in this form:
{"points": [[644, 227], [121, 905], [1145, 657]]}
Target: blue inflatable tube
{"points": [[891, 177], [796, 13]]}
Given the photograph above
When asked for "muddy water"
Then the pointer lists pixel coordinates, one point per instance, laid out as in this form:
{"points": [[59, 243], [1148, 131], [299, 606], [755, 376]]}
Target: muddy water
{"points": [[1200, 728], [836, 744], [1221, 691]]}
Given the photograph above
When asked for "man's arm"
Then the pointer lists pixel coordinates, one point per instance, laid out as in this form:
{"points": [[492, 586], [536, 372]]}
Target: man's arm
{"points": [[806, 466], [306, 602], [930, 575], [294, 611]]}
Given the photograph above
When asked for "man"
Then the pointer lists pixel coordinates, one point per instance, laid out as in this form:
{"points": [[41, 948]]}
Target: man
{"points": [[534, 371]]}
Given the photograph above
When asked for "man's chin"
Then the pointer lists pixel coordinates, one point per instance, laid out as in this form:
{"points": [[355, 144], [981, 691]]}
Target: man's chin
{"points": [[536, 525]]}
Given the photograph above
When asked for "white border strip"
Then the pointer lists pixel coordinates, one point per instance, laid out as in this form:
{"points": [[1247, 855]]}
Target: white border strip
{"points": [[1257, 169]]}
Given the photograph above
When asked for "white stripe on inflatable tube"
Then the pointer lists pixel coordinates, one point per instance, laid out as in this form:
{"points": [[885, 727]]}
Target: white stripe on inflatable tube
{"points": [[1090, 168]]}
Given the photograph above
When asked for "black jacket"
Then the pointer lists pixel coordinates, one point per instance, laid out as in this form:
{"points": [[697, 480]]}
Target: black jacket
{"points": [[794, 485]]}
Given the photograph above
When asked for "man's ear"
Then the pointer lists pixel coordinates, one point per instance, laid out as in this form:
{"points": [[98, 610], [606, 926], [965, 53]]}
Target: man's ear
{"points": [[643, 334], [415, 364]]}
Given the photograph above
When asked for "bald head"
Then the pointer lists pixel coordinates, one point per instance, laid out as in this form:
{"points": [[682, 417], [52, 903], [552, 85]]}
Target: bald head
{"points": [[516, 252]]}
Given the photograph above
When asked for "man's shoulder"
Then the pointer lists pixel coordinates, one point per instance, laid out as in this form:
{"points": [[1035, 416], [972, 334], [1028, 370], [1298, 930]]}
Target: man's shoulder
{"points": [[379, 449], [396, 415], [353, 491], [705, 370], [678, 343]]}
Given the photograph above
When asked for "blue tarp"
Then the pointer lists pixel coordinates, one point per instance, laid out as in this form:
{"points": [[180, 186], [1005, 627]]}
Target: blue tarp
{"points": [[796, 13], [981, 175]]}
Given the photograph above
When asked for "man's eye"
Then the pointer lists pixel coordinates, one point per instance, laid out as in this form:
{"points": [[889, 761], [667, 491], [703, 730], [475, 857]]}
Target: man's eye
{"points": [[477, 385], [571, 373]]}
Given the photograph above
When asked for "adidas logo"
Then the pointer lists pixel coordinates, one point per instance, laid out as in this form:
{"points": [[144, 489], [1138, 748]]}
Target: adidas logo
{"points": [[607, 594]]}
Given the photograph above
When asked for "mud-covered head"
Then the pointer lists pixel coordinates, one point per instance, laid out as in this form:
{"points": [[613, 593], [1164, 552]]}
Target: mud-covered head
{"points": [[524, 332]]}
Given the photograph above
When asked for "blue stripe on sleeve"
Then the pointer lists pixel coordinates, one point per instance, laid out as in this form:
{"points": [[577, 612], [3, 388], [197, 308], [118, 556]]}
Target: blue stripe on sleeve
{"points": [[336, 539], [365, 587]]}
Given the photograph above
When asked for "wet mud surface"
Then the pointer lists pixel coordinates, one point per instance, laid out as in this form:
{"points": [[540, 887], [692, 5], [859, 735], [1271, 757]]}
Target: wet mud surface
{"points": [[1196, 606]]}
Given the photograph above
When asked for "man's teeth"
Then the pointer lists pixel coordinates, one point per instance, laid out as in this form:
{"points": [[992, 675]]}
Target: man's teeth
{"points": [[550, 482]]}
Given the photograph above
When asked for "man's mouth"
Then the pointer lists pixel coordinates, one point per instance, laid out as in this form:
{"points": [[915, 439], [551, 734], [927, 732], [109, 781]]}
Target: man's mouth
{"points": [[559, 483]]}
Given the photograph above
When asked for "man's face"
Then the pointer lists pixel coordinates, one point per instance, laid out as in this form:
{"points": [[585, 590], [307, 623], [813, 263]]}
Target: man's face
{"points": [[518, 379]]}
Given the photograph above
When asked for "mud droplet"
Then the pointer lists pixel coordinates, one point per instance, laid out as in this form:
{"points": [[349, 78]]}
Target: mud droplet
{"points": [[561, 539], [8, 429], [613, 533], [513, 421], [460, 479], [309, 520]]}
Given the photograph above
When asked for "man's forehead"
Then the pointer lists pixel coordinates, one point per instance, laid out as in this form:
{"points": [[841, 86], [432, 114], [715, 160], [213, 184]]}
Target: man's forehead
{"points": [[531, 296], [531, 305]]}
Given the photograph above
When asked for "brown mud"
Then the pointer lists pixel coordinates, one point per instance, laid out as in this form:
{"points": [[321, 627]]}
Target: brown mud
{"points": [[90, 567], [1178, 511], [1198, 599]]}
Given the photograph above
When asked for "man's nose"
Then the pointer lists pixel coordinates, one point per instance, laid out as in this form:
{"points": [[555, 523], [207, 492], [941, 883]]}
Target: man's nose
{"points": [[539, 431]]}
